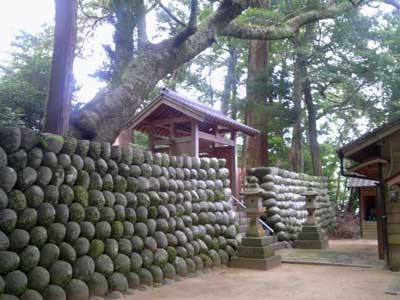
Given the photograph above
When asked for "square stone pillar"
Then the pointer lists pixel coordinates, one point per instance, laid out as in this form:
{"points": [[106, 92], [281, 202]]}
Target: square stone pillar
{"points": [[256, 251]]}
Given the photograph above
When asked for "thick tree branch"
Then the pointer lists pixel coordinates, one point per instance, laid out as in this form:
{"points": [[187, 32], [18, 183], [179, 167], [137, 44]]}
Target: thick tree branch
{"points": [[192, 25], [287, 30], [394, 3], [171, 15]]}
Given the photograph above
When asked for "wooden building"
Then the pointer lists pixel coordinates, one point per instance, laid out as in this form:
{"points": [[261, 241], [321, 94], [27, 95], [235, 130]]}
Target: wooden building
{"points": [[179, 126], [376, 155], [367, 193]]}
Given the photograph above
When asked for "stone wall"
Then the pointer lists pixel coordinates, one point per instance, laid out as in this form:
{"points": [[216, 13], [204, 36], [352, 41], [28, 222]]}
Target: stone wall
{"points": [[285, 204], [80, 218]]}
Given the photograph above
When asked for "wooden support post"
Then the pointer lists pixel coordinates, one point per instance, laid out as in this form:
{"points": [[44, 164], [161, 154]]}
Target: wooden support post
{"points": [[151, 138], [195, 139]]}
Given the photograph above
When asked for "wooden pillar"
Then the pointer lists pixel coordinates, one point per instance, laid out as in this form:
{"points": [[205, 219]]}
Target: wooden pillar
{"points": [[195, 139], [124, 138], [151, 138], [234, 170]]}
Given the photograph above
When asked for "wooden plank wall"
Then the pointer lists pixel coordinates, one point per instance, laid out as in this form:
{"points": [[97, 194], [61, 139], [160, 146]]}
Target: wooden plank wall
{"points": [[391, 151]]}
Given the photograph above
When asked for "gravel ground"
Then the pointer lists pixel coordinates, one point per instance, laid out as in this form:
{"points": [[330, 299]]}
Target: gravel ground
{"points": [[294, 282]]}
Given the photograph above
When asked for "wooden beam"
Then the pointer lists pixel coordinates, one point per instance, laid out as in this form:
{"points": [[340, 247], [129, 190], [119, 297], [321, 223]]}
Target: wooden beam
{"points": [[367, 163], [195, 138], [215, 139]]}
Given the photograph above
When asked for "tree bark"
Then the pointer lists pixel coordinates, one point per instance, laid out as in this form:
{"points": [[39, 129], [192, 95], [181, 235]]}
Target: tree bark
{"points": [[56, 117], [230, 79], [312, 127], [123, 38], [296, 149], [256, 102]]}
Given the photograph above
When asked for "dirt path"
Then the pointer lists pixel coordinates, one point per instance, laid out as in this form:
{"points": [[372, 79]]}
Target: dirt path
{"points": [[288, 282]]}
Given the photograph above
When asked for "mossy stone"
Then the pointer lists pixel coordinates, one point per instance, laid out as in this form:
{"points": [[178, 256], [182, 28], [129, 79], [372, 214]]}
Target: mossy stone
{"points": [[120, 184], [129, 229], [146, 277], [62, 213], [10, 138], [18, 160], [31, 295], [107, 214], [137, 243], [147, 257], [48, 255], [17, 200], [82, 147], [123, 170], [104, 265], [117, 230], [60, 273], [83, 179], [117, 282], [49, 160], [19, 238], [169, 271], [108, 182], [64, 160], [58, 175], [26, 177], [96, 248], [34, 196], [141, 214], [134, 171], [120, 199], [51, 142], [46, 214], [105, 150], [92, 214], [8, 220], [29, 258], [103, 230], [130, 215], [77, 212], [71, 174], [16, 283], [73, 232], [111, 248], [38, 279], [84, 268], [52, 194], [126, 155], [146, 170], [96, 198], [54, 292], [77, 162], [70, 144], [160, 257], [87, 230], [29, 138], [9, 261], [3, 158], [98, 285], [131, 200], [96, 182], [35, 157], [109, 198], [81, 246], [112, 167], [44, 176], [122, 263], [136, 261], [150, 243], [4, 241], [38, 236], [157, 274], [77, 290], [56, 233], [141, 229], [67, 253]]}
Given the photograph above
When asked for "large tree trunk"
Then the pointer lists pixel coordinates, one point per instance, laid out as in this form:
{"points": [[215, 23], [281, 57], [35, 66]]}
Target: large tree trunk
{"points": [[56, 118], [256, 102], [230, 79], [312, 126], [111, 110], [123, 37], [296, 149]]}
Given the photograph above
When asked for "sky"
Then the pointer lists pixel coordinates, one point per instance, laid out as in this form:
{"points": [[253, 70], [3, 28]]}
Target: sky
{"points": [[29, 16]]}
